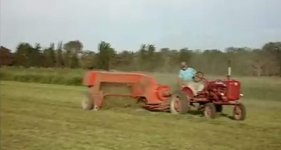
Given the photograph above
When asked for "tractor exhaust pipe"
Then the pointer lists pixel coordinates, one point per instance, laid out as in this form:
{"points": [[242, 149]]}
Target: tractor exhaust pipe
{"points": [[228, 70]]}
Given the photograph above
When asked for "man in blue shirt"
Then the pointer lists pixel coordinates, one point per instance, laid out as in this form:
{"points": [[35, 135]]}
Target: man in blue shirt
{"points": [[186, 73], [186, 78]]}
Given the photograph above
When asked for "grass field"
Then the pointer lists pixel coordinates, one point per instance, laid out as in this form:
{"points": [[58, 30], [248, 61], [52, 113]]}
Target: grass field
{"points": [[46, 116]]}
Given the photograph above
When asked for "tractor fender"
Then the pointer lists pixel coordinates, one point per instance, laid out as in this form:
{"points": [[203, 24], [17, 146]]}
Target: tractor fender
{"points": [[188, 91]]}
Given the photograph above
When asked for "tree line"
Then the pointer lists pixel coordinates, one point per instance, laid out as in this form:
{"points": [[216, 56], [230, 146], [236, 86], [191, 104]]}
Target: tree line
{"points": [[264, 61]]}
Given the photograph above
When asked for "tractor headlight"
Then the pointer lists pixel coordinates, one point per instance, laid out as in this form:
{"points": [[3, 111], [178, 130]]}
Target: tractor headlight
{"points": [[241, 95]]}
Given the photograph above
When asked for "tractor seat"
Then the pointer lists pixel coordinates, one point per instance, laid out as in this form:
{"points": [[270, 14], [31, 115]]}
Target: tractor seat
{"points": [[195, 88]]}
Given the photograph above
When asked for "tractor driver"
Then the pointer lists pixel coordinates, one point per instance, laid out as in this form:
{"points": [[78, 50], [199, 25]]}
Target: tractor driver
{"points": [[186, 79]]}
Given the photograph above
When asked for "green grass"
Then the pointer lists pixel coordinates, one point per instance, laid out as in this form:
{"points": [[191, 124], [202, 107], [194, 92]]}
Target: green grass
{"points": [[64, 76], [45, 116], [252, 87]]}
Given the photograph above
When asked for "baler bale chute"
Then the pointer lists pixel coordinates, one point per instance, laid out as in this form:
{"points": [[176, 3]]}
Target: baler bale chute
{"points": [[142, 87]]}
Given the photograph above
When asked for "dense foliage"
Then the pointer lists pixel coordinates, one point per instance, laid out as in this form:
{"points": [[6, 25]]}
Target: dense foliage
{"points": [[265, 61]]}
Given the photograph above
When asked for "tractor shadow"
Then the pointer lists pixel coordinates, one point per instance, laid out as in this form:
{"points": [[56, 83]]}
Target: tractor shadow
{"points": [[201, 114], [225, 115], [196, 113]]}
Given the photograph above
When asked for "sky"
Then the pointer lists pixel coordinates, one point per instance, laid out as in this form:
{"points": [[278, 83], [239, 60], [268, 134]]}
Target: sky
{"points": [[126, 24]]}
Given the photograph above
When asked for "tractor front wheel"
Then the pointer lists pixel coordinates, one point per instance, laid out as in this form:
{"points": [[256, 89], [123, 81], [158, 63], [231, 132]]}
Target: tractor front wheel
{"points": [[179, 103], [87, 103], [210, 110], [239, 112]]}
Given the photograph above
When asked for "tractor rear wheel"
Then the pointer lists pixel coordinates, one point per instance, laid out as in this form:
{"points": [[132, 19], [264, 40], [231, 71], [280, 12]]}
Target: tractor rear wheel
{"points": [[179, 103], [210, 110], [239, 112], [87, 103]]}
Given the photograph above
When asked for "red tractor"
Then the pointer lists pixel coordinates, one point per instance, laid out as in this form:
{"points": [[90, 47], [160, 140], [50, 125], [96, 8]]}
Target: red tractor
{"points": [[211, 99]]}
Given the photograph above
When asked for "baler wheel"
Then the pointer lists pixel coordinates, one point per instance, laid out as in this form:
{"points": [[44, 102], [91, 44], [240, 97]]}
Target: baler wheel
{"points": [[179, 103], [210, 110], [239, 112], [87, 103]]}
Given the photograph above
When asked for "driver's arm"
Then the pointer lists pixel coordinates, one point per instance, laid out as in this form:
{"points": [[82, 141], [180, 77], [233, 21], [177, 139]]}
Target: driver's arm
{"points": [[194, 72]]}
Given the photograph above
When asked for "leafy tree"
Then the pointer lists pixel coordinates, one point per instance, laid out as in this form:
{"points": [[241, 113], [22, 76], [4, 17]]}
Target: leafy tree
{"points": [[152, 62], [28, 56], [143, 53], [147, 58], [245, 61], [6, 57], [164, 60], [59, 56], [258, 62], [88, 60], [35, 57], [105, 56], [274, 49], [173, 62], [22, 54], [184, 55], [214, 62], [72, 49], [125, 61], [150, 50], [142, 57], [49, 56]]}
